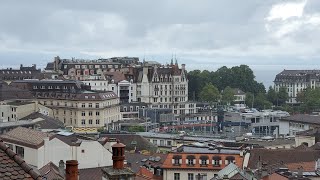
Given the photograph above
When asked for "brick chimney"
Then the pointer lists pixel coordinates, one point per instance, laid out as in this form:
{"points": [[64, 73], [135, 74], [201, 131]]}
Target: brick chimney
{"points": [[72, 171], [118, 155]]}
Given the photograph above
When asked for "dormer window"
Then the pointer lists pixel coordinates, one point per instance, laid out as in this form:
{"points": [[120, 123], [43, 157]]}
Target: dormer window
{"points": [[191, 160], [177, 160], [204, 160], [229, 159], [216, 161]]}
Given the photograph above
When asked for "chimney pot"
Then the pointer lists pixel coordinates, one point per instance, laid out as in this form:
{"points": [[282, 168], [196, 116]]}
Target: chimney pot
{"points": [[72, 171]]}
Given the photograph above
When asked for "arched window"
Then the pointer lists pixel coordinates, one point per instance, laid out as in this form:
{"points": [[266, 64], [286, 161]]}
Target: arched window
{"points": [[216, 161], [204, 160], [177, 160], [190, 160], [229, 159]]}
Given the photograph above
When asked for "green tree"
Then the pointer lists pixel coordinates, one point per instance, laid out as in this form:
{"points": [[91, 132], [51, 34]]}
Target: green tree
{"points": [[209, 93], [272, 96], [282, 96], [249, 99], [261, 101], [228, 95], [310, 99], [136, 129]]}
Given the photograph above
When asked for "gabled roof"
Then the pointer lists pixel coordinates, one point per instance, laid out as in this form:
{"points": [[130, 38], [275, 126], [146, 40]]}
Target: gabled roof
{"points": [[14, 167], [25, 136], [276, 158], [51, 172], [47, 123], [90, 173]]}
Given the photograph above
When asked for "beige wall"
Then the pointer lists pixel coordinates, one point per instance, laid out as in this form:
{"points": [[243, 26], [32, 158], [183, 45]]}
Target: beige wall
{"points": [[16, 112], [71, 112], [301, 139]]}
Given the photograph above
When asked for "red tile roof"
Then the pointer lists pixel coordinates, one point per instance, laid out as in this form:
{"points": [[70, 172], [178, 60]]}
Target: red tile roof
{"points": [[14, 167], [51, 172], [34, 139], [307, 166]]}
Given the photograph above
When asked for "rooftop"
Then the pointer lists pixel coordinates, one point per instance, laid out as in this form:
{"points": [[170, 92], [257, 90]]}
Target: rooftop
{"points": [[25, 136], [14, 167], [303, 118], [51, 171]]}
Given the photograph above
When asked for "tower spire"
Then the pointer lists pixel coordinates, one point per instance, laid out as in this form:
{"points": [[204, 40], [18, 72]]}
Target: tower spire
{"points": [[171, 60], [175, 57]]}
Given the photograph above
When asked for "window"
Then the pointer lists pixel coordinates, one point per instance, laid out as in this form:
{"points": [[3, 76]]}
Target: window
{"points": [[161, 142], [97, 105], [97, 113], [216, 161], [154, 142], [229, 159], [90, 121], [83, 122], [176, 160], [190, 176], [83, 105], [83, 113], [90, 113], [20, 151], [176, 176], [190, 161], [90, 105], [97, 121], [204, 160], [169, 143]]}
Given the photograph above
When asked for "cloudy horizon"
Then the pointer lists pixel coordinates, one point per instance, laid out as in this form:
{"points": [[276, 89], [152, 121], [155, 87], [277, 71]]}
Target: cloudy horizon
{"points": [[269, 36]]}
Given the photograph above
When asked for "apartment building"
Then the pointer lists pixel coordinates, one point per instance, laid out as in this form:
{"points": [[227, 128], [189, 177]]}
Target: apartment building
{"points": [[200, 161], [74, 103], [165, 87], [296, 81], [23, 72]]}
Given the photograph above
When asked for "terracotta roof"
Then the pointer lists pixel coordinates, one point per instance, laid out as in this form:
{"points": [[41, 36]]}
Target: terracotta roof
{"points": [[90, 173], [133, 141], [146, 174], [25, 136], [117, 76], [307, 166], [51, 172], [134, 160], [14, 167], [275, 158]]}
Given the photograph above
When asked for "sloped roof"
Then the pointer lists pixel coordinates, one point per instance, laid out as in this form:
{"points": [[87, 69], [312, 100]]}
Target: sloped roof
{"points": [[47, 123], [231, 168], [51, 172], [90, 173], [8, 92], [25, 136], [14, 167], [275, 158]]}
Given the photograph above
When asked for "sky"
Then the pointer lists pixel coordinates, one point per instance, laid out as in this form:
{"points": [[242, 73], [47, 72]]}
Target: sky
{"points": [[267, 35]]}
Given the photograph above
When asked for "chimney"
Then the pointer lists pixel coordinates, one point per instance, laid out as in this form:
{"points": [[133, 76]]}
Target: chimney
{"points": [[72, 171], [118, 155], [61, 168]]}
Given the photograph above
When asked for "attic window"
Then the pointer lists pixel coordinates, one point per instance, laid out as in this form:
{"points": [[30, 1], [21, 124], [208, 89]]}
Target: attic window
{"points": [[82, 150], [86, 97], [93, 97]]}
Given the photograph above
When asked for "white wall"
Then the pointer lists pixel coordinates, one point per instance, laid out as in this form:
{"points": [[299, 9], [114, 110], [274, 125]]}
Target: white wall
{"points": [[169, 174], [93, 154]]}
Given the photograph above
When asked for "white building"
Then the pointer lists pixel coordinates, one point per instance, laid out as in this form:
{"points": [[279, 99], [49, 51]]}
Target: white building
{"points": [[165, 87], [39, 148], [296, 81]]}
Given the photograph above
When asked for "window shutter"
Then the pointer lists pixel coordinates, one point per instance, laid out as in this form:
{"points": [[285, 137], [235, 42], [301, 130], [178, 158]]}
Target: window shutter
{"points": [[212, 161], [226, 162], [186, 161], [199, 161], [220, 162], [207, 161], [172, 161], [180, 161], [194, 161]]}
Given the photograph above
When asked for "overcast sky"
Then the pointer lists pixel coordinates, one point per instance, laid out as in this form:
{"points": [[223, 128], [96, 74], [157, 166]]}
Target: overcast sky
{"points": [[268, 35]]}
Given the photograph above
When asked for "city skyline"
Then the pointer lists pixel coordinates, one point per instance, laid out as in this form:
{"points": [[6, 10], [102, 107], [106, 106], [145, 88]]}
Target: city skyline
{"points": [[268, 36]]}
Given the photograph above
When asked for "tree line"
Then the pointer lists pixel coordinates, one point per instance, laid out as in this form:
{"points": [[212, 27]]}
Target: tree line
{"points": [[217, 86]]}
